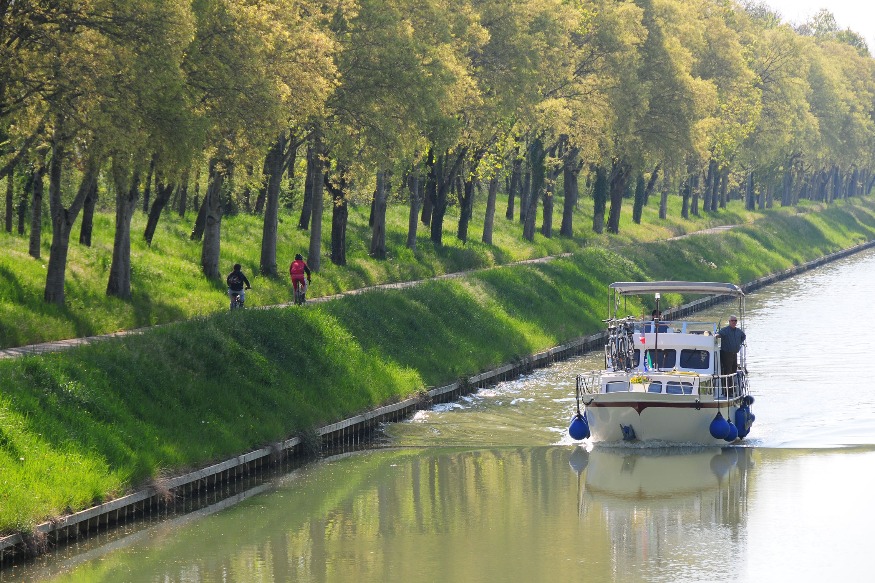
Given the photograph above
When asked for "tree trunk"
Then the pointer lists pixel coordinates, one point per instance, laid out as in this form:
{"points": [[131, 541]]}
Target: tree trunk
{"points": [[638, 204], [147, 187], [413, 185], [537, 155], [826, 179], [571, 175], [599, 199], [22, 205], [246, 195], [62, 221], [183, 194], [466, 201], [619, 179], [787, 187], [515, 179], [36, 214], [651, 183], [547, 217], [710, 180], [378, 230], [489, 220], [197, 190], [724, 185], [88, 215], [695, 188], [10, 196], [197, 232], [525, 191], [314, 258], [685, 194], [340, 216], [663, 196], [439, 207], [273, 174], [309, 186], [549, 200], [444, 178], [214, 208], [162, 197], [460, 186], [715, 189], [126, 190], [430, 191], [466, 210], [836, 184], [749, 200], [804, 188]]}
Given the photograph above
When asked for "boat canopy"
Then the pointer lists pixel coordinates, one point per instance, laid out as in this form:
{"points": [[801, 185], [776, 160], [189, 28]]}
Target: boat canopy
{"points": [[634, 288]]}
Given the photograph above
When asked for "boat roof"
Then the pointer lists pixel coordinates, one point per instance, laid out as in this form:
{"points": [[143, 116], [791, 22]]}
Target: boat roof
{"points": [[633, 288]]}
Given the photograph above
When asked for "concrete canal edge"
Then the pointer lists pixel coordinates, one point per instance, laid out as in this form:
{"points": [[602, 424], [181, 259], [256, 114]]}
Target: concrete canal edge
{"points": [[166, 491]]}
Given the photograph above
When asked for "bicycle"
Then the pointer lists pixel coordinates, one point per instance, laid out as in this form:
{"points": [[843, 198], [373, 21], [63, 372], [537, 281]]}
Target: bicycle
{"points": [[236, 299], [620, 351], [301, 294]]}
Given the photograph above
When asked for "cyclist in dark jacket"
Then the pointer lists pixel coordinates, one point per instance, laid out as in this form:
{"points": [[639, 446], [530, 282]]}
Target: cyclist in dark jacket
{"points": [[236, 280]]}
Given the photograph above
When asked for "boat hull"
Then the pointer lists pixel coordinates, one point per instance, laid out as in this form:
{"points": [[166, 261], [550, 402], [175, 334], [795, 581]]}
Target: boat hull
{"points": [[683, 419]]}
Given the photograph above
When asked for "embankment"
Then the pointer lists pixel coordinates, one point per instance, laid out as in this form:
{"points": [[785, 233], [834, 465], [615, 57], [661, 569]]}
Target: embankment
{"points": [[113, 419]]}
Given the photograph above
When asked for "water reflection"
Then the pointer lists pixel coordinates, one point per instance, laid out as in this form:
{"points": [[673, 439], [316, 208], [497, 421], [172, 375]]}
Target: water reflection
{"points": [[666, 510], [511, 514]]}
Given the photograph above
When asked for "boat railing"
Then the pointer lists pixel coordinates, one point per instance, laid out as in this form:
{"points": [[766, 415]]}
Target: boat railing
{"points": [[589, 382], [676, 326], [672, 382], [731, 386]]}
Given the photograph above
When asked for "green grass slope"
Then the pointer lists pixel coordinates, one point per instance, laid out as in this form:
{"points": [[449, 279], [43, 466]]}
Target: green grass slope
{"points": [[88, 424], [168, 285]]}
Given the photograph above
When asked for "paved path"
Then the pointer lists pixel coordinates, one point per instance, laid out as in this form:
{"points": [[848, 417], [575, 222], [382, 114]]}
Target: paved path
{"points": [[59, 345]]}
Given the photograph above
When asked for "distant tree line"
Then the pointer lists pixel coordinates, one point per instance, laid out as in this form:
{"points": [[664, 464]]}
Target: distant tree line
{"points": [[216, 104]]}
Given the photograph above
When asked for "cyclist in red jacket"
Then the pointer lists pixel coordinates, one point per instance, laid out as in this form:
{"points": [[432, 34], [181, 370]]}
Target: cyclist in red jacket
{"points": [[299, 271]]}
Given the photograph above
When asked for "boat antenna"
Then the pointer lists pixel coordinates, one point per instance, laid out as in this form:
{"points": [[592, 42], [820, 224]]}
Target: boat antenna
{"points": [[656, 337]]}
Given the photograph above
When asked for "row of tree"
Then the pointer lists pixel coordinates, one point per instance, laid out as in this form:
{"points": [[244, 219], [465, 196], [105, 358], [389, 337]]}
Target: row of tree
{"points": [[427, 98]]}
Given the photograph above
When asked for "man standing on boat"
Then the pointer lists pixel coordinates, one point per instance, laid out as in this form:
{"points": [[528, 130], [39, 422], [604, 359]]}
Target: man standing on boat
{"points": [[731, 339]]}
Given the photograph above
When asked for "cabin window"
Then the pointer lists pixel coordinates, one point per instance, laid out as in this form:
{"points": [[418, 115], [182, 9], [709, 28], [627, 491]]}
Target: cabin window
{"points": [[661, 358], [662, 328], [697, 359], [678, 388], [654, 387], [617, 387]]}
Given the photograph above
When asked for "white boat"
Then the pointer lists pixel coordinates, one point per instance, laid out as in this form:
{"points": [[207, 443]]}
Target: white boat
{"points": [[662, 379]]}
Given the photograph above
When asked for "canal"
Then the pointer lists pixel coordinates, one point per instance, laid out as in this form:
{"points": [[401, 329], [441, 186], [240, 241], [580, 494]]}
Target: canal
{"points": [[492, 489]]}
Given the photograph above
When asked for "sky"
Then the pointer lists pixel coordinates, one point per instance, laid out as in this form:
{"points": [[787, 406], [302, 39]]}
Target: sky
{"points": [[858, 15]]}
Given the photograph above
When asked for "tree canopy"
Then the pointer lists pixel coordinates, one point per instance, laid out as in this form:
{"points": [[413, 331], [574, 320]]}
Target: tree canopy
{"points": [[719, 97]]}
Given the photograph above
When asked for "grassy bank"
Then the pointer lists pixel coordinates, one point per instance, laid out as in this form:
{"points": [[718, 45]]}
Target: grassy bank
{"points": [[85, 425], [168, 285]]}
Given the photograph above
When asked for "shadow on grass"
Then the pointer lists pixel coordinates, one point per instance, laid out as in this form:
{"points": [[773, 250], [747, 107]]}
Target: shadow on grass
{"points": [[12, 290]]}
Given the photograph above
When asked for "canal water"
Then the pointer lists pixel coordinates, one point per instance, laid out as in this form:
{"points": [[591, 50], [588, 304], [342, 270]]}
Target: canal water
{"points": [[492, 489]]}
